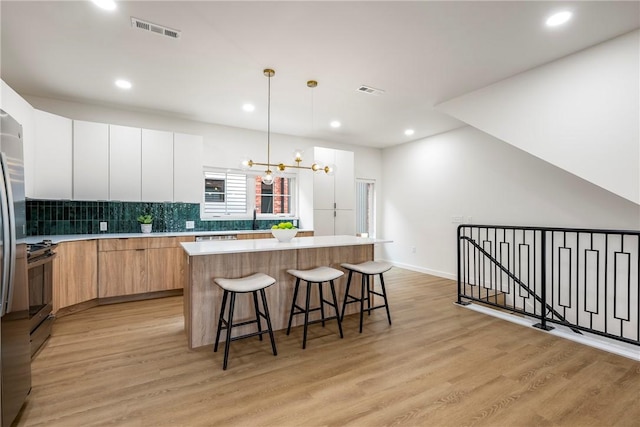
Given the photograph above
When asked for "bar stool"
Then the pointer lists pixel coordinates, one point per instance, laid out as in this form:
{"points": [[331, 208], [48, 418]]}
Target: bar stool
{"points": [[254, 283], [366, 270], [317, 276]]}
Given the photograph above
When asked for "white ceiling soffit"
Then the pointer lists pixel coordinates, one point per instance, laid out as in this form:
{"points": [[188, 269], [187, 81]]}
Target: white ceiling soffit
{"points": [[420, 53]]}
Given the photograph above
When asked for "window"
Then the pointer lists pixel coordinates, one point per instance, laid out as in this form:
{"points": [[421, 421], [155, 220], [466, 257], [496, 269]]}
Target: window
{"points": [[231, 194], [224, 194], [365, 207], [274, 199]]}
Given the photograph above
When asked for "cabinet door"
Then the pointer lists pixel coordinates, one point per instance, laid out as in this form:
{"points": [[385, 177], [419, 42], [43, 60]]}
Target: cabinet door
{"points": [[345, 181], [122, 273], [90, 161], [164, 270], [125, 163], [52, 156], [188, 178], [323, 220], [345, 222], [157, 166], [75, 273], [323, 184]]}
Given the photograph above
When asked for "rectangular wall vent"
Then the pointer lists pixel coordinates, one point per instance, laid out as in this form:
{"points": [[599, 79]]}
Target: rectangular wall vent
{"points": [[370, 90], [154, 28]]}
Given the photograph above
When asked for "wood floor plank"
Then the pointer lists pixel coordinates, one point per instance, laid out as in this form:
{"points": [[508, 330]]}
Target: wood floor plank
{"points": [[437, 365]]}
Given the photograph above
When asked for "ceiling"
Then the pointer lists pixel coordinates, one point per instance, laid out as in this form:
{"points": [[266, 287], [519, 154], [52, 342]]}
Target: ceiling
{"points": [[419, 53]]}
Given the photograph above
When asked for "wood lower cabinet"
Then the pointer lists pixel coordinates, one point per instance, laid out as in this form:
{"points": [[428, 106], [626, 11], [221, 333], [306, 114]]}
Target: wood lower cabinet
{"points": [[75, 273], [140, 265], [122, 273]]}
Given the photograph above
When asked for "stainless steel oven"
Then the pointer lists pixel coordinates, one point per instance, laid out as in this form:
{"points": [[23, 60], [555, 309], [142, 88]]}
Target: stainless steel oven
{"points": [[40, 258]]}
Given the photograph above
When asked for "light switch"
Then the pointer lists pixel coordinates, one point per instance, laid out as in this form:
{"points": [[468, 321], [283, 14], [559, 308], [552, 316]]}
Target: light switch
{"points": [[103, 225]]}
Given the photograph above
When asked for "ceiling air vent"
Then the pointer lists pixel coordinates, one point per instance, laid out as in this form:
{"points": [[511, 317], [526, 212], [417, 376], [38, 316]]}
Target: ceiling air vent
{"points": [[370, 90], [154, 28]]}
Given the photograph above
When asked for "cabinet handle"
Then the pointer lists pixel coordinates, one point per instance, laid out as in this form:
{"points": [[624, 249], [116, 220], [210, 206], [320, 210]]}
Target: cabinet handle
{"points": [[335, 205], [139, 249]]}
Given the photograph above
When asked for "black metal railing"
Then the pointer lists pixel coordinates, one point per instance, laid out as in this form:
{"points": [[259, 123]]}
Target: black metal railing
{"points": [[585, 279]]}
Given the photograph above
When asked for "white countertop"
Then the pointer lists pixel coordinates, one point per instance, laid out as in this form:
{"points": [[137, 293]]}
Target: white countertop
{"points": [[217, 247], [75, 237]]}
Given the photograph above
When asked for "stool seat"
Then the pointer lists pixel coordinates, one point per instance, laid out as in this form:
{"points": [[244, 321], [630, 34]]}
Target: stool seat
{"points": [[317, 275], [369, 267], [246, 284]]}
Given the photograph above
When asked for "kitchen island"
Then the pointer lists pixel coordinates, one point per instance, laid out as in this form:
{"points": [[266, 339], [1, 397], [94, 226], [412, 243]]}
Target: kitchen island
{"points": [[233, 259]]}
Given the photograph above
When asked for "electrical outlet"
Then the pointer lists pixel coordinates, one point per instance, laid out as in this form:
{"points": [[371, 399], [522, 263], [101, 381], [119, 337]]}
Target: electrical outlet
{"points": [[458, 219], [190, 225], [103, 225]]}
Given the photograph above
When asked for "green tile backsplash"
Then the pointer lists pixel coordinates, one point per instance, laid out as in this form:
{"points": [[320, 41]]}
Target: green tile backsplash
{"points": [[54, 217]]}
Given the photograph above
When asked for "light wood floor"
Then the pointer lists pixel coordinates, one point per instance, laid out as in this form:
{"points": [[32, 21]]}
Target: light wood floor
{"points": [[438, 365]]}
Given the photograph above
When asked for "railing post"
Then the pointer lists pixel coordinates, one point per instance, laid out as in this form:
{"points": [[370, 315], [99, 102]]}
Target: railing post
{"points": [[543, 272], [460, 302]]}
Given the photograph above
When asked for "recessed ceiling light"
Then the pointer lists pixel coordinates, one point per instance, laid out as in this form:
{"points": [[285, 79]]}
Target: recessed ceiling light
{"points": [[248, 107], [335, 124], [123, 84], [558, 18], [105, 4], [409, 132]]}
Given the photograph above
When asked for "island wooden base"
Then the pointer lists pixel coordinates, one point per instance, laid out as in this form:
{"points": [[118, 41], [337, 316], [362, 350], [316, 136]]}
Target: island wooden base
{"points": [[202, 297]]}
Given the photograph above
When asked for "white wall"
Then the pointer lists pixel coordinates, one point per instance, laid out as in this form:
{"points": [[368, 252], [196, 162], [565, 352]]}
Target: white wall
{"points": [[22, 111], [468, 173], [224, 146], [581, 113]]}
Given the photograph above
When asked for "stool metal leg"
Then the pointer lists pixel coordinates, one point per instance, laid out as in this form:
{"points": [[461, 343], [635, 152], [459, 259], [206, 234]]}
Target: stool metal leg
{"points": [[321, 303], [229, 326], [268, 316], [306, 316], [293, 304], [346, 295], [335, 306], [369, 295], [220, 319], [255, 305], [386, 303], [362, 298]]}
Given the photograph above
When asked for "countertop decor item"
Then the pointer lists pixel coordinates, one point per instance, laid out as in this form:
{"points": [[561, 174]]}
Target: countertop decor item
{"points": [[267, 178], [284, 232], [145, 223]]}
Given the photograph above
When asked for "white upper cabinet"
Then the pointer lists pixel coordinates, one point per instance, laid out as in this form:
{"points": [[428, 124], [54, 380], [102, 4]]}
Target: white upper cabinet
{"points": [[52, 156], [125, 165], [323, 184], [334, 195], [345, 180], [90, 161], [157, 166], [188, 179]]}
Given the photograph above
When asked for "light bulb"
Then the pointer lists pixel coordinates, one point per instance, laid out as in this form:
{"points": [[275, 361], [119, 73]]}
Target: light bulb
{"points": [[267, 178], [330, 169], [245, 164], [297, 155]]}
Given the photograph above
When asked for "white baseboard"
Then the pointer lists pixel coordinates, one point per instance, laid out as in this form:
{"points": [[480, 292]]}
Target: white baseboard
{"points": [[424, 270]]}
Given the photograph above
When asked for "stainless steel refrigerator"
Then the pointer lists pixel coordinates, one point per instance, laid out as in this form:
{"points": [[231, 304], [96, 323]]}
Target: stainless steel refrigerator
{"points": [[14, 324]]}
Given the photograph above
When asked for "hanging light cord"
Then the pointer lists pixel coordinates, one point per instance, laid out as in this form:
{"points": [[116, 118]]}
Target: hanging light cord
{"points": [[269, 124]]}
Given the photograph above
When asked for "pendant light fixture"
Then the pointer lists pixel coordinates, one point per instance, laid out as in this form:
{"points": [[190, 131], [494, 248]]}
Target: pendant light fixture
{"points": [[267, 178]]}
